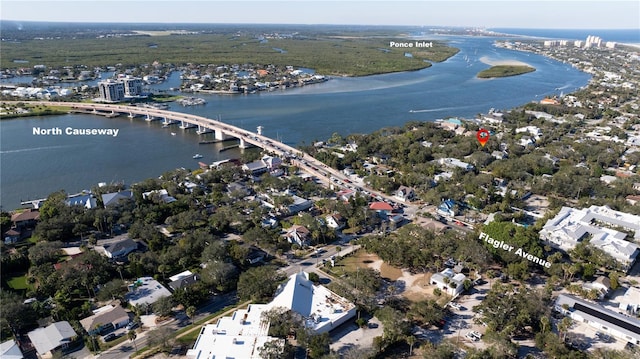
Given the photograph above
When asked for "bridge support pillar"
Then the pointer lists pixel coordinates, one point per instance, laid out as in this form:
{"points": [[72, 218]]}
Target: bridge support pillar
{"points": [[149, 118], [221, 136], [201, 130], [242, 143], [131, 115]]}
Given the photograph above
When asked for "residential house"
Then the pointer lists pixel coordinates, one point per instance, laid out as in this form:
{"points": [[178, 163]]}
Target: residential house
{"points": [[256, 168], [145, 291], [382, 208], [499, 155], [299, 235], [119, 247], [335, 221], [159, 196], [447, 208], [57, 337], [256, 255], [405, 194], [105, 318], [601, 284], [87, 201], [456, 163], [111, 199], [449, 282], [345, 194], [630, 301], [239, 189], [600, 318], [10, 350], [25, 219], [183, 280], [299, 204]]}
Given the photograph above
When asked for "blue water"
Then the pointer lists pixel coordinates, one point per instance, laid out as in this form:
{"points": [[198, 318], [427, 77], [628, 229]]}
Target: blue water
{"points": [[33, 167], [619, 35]]}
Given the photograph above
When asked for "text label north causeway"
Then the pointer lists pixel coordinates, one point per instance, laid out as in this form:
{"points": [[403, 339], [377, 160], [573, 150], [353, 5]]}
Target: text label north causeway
{"points": [[70, 131]]}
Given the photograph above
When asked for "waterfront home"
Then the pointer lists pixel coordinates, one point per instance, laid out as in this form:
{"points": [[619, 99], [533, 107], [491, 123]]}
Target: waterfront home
{"points": [[87, 201], [111, 199]]}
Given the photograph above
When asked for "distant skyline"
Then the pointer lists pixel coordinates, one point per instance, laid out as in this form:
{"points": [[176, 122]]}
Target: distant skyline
{"points": [[566, 14]]}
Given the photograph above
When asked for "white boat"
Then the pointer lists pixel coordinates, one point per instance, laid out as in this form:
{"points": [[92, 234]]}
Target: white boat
{"points": [[173, 133], [197, 155]]}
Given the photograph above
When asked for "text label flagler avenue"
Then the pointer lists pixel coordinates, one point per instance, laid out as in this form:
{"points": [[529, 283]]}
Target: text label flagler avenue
{"points": [[509, 248]]}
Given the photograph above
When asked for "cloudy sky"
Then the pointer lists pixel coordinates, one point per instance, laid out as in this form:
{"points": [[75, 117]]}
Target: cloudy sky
{"points": [[566, 14]]}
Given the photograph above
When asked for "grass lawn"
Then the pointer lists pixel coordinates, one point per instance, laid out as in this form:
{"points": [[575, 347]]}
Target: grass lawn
{"points": [[18, 283]]}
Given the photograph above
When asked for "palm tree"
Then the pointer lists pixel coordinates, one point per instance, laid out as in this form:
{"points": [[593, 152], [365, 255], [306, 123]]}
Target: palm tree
{"points": [[411, 340], [132, 336], [191, 312]]}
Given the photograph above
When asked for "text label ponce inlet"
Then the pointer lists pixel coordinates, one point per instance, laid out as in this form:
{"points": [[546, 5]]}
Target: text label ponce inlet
{"points": [[70, 131]]}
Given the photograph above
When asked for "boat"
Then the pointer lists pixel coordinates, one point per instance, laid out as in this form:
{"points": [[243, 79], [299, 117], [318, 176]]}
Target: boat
{"points": [[197, 155], [173, 133]]}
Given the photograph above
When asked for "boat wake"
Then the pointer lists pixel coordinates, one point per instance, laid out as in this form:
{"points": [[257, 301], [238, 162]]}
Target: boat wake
{"points": [[439, 109], [33, 149]]}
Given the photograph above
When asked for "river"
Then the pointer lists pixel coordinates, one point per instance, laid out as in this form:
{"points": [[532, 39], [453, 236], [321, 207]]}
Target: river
{"points": [[34, 166]]}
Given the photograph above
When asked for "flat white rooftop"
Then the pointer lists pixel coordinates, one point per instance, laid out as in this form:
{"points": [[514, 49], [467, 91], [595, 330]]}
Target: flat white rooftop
{"points": [[146, 290]]}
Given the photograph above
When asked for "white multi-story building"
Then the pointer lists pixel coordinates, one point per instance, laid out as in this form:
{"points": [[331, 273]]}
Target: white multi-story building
{"points": [[571, 226], [243, 334], [111, 91], [593, 41], [132, 86], [118, 90]]}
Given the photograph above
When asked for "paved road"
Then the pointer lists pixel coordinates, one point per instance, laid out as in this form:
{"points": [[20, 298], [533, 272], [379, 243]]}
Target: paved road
{"points": [[125, 349]]}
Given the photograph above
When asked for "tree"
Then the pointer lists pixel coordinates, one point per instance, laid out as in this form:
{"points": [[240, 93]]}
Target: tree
{"points": [[259, 283], [163, 337], [273, 349], [132, 336], [411, 340], [163, 306], [191, 312]]}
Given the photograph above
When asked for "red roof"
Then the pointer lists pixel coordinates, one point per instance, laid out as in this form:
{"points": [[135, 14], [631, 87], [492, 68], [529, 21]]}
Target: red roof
{"points": [[380, 206]]}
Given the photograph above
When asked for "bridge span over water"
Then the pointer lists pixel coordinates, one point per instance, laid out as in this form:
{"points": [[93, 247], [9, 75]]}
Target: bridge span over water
{"points": [[223, 131]]}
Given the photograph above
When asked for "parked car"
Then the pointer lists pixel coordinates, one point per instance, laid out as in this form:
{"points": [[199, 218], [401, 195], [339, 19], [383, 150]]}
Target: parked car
{"points": [[132, 325], [109, 337]]}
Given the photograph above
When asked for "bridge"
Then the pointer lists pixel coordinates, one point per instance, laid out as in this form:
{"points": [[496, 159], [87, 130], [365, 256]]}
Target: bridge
{"points": [[223, 131]]}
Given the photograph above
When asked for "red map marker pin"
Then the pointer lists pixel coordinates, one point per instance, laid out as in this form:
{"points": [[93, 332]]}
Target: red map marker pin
{"points": [[482, 136]]}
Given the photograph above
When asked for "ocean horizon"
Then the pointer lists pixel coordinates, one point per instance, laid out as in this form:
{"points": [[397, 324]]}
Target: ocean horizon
{"points": [[627, 36]]}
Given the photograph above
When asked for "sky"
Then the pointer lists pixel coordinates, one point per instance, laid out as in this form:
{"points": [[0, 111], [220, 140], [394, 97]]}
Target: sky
{"points": [[567, 14]]}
